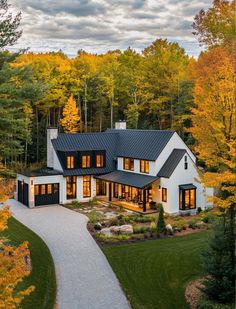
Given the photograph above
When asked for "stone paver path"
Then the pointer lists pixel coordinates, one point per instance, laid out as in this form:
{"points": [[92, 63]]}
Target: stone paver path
{"points": [[85, 279]]}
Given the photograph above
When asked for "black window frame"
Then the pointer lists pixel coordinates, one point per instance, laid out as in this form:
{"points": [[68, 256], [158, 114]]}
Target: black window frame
{"points": [[102, 159], [101, 187], [70, 163], [164, 194], [130, 162], [146, 166], [71, 180], [182, 199], [87, 155], [86, 182]]}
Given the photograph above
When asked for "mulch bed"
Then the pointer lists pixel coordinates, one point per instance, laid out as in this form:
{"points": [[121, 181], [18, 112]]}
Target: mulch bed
{"points": [[193, 292]]}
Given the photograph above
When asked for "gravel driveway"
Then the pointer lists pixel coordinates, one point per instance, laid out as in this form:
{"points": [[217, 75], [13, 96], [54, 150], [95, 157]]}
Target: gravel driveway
{"points": [[85, 279]]}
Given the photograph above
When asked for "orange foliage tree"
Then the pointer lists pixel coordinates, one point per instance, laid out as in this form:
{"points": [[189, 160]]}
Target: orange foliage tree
{"points": [[71, 118], [13, 266]]}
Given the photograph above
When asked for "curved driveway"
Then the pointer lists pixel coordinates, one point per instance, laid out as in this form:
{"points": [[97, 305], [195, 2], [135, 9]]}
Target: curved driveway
{"points": [[85, 279]]}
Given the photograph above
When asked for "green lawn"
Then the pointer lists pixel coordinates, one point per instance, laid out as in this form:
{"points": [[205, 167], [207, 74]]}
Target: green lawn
{"points": [[42, 275], [154, 274]]}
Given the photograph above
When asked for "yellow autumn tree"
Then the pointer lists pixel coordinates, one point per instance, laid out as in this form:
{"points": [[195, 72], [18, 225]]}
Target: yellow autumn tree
{"points": [[71, 118], [13, 266], [214, 121]]}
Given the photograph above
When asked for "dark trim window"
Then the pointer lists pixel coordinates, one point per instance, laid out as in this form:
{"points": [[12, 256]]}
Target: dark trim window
{"points": [[36, 189], [187, 199], [185, 163], [164, 195], [101, 187], [50, 188], [99, 160], [71, 187], [115, 190], [70, 162], [86, 161], [144, 166], [128, 164], [86, 186]]}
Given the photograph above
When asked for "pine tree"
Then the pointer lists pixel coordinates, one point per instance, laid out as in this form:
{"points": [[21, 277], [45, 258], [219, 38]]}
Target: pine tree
{"points": [[218, 264], [161, 221], [71, 118]]}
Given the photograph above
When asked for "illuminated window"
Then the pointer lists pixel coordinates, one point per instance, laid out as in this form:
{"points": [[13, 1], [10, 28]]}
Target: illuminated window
{"points": [[86, 161], [187, 199], [100, 187], [128, 164], [71, 187], [144, 166], [49, 189], [70, 162], [164, 195], [43, 189], [99, 160], [86, 186], [36, 190]]}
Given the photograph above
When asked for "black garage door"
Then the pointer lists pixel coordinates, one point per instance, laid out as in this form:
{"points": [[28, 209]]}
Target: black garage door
{"points": [[46, 194], [23, 193]]}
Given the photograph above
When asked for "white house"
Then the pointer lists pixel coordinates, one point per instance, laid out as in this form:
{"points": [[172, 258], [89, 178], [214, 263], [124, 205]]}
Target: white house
{"points": [[135, 167]]}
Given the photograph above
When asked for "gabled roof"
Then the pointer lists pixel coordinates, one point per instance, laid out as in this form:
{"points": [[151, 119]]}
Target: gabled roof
{"points": [[141, 144], [171, 163], [128, 178]]}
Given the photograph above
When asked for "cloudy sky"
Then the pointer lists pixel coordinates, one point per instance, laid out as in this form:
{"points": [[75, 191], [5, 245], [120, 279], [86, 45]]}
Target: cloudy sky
{"points": [[101, 25]]}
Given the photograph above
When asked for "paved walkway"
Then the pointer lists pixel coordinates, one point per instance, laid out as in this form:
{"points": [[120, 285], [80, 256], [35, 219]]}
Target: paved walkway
{"points": [[85, 279]]}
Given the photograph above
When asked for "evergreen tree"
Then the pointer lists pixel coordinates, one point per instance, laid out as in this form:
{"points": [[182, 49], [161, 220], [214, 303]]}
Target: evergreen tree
{"points": [[218, 264], [71, 118], [161, 221]]}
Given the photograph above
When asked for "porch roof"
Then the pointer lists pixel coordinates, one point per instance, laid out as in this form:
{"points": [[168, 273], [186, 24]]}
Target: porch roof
{"points": [[128, 178]]}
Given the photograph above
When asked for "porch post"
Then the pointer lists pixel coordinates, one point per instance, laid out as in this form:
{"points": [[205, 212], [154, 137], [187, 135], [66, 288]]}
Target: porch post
{"points": [[110, 192], [144, 200]]}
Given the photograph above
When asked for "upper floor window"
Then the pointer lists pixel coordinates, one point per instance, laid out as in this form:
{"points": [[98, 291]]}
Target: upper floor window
{"points": [[86, 161], [70, 162], [99, 160], [185, 163], [128, 164], [144, 166]]}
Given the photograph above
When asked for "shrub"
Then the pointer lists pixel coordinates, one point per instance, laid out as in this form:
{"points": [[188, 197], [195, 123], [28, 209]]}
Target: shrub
{"points": [[180, 225], [94, 216], [141, 229], [204, 303], [142, 219], [192, 224], [76, 204], [121, 237], [161, 222], [199, 209], [93, 202], [159, 205], [153, 205]]}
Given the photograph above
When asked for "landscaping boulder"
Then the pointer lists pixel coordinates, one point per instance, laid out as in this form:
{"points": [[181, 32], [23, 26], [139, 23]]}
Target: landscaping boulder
{"points": [[98, 226], [126, 229], [169, 229], [106, 231]]}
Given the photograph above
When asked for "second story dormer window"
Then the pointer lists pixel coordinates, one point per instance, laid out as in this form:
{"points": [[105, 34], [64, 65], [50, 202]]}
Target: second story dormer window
{"points": [[70, 162], [128, 164], [144, 166], [99, 160], [86, 161]]}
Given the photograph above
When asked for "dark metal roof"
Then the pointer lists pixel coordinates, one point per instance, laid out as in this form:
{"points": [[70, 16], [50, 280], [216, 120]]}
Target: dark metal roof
{"points": [[187, 186], [141, 144], [171, 163], [41, 172], [128, 178]]}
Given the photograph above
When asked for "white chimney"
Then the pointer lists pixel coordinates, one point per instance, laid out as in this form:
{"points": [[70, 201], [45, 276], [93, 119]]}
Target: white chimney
{"points": [[52, 133], [120, 125]]}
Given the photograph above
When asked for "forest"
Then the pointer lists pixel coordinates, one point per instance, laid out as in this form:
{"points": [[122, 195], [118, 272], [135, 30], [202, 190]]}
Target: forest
{"points": [[159, 88]]}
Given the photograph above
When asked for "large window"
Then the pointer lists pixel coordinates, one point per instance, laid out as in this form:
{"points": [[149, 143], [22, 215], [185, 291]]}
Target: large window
{"points": [[144, 166], [99, 160], [187, 199], [164, 194], [71, 187], [100, 187], [70, 162], [86, 186], [128, 164], [86, 161]]}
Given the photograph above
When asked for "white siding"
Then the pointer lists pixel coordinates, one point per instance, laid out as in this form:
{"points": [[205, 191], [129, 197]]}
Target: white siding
{"points": [[137, 167]]}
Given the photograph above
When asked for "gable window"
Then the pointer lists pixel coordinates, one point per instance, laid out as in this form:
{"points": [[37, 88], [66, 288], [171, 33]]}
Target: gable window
{"points": [[99, 160], [71, 187], [164, 195], [128, 164], [70, 162], [86, 161], [144, 166], [187, 199], [86, 186], [185, 163]]}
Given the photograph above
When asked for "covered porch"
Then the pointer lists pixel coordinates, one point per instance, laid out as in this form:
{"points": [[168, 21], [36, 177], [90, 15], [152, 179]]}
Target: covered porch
{"points": [[126, 189]]}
